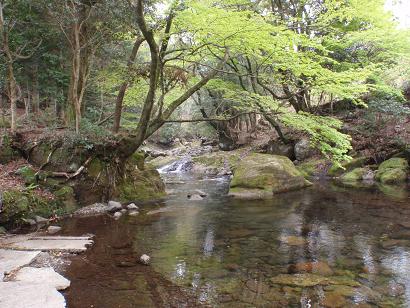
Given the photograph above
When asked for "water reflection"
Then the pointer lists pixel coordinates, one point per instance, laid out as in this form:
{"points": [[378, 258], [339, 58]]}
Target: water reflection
{"points": [[317, 248]]}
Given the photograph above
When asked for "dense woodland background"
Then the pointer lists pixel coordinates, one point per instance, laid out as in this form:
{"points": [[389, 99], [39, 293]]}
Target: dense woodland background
{"points": [[229, 68]]}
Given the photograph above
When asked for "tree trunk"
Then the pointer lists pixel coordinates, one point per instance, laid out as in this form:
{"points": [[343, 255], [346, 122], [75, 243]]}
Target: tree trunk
{"points": [[124, 86], [35, 89]]}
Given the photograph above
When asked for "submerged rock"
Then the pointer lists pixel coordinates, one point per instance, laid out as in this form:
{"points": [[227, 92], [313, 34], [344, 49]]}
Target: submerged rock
{"points": [[319, 267], [300, 280], [264, 175], [293, 240]]}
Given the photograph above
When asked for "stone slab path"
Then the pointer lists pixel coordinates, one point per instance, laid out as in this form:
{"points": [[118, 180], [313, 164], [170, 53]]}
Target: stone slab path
{"points": [[22, 286], [46, 243]]}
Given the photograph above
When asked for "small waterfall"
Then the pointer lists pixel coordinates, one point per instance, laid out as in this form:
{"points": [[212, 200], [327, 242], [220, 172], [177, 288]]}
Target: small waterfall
{"points": [[180, 166]]}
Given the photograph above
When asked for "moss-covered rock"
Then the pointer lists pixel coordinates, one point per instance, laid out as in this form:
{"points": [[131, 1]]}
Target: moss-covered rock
{"points": [[392, 171], [393, 163], [138, 159], [7, 152], [348, 166], [140, 185], [26, 204], [314, 167], [392, 176], [65, 195], [354, 176], [28, 174], [95, 167], [265, 175]]}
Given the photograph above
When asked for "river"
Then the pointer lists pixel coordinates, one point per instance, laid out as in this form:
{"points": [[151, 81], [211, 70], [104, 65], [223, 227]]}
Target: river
{"points": [[324, 246]]}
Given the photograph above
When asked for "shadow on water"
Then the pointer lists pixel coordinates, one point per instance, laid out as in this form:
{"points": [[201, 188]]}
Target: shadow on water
{"points": [[320, 247]]}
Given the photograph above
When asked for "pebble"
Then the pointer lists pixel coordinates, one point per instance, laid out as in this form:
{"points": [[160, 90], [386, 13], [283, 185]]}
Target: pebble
{"points": [[145, 259], [53, 229]]}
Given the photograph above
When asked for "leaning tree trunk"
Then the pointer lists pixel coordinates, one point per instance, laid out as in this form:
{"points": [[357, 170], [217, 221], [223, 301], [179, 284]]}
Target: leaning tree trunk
{"points": [[124, 86]]}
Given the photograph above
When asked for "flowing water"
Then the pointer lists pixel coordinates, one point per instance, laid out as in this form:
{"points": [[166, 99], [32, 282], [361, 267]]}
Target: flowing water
{"points": [[319, 247]]}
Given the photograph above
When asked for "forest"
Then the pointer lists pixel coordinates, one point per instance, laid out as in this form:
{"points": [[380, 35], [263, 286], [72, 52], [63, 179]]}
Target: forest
{"points": [[222, 153]]}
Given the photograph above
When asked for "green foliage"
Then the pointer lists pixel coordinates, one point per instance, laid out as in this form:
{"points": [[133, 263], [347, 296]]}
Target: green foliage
{"points": [[324, 133]]}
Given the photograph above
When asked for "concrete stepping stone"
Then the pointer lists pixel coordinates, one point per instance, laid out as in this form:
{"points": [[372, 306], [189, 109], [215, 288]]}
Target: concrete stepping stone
{"points": [[42, 276], [11, 260], [47, 243], [21, 294]]}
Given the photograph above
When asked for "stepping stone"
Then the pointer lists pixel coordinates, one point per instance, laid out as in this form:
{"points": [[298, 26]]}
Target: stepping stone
{"points": [[47, 243], [42, 276], [11, 260], [20, 294]]}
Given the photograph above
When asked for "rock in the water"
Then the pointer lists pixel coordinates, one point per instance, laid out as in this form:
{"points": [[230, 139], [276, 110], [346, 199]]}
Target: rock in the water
{"points": [[319, 267], [93, 209], [355, 175], [392, 171], [53, 229], [132, 207], [42, 275], [293, 240], [265, 175], [145, 259], [114, 206], [123, 211], [195, 197], [117, 215], [334, 300], [40, 220], [300, 280]]}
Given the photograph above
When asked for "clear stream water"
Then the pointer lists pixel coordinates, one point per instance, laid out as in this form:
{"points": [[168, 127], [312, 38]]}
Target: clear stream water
{"points": [[320, 247]]}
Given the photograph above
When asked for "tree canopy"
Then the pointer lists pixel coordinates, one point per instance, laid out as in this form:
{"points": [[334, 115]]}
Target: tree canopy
{"points": [[129, 65]]}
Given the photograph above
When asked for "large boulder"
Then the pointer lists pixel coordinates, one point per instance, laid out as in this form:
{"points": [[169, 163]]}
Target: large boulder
{"points": [[262, 175], [392, 171]]}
